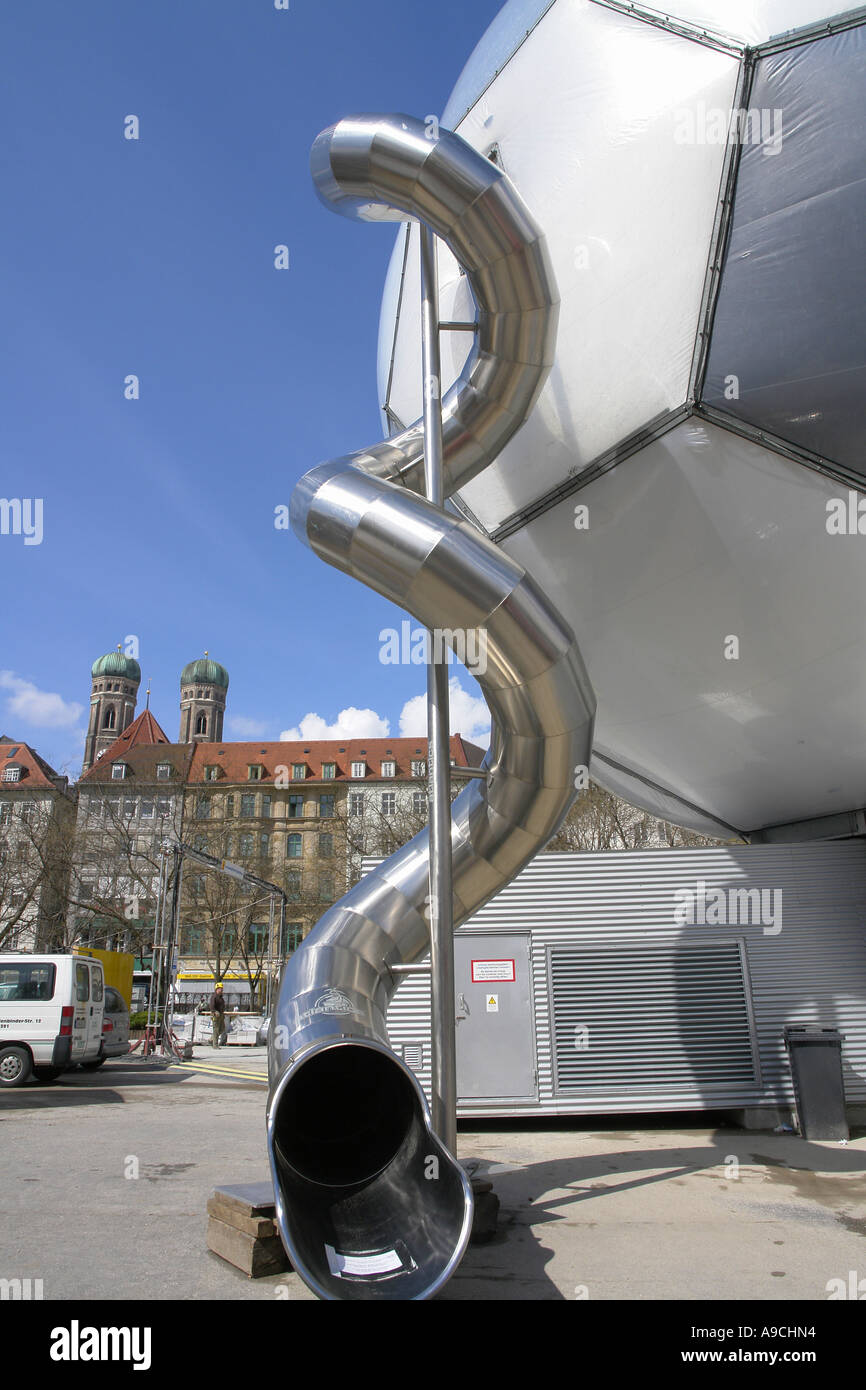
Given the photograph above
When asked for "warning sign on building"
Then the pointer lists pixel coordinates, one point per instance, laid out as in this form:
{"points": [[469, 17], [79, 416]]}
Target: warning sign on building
{"points": [[484, 971], [493, 1003]]}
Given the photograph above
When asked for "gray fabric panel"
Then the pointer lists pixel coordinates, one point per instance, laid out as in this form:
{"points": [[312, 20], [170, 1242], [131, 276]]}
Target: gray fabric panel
{"points": [[790, 321]]}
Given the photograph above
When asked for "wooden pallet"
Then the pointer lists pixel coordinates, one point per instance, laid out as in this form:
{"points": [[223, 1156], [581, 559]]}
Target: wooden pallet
{"points": [[242, 1229]]}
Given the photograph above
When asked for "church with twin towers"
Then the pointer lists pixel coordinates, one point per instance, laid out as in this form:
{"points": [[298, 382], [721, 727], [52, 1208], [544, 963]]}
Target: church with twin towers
{"points": [[115, 681]]}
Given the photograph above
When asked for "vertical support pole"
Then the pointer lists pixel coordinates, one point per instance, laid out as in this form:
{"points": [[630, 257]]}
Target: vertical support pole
{"points": [[266, 1001], [281, 950], [444, 1077], [172, 943], [156, 949]]}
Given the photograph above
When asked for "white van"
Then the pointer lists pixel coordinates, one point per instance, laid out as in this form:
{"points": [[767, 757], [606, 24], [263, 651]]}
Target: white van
{"points": [[51, 1010]]}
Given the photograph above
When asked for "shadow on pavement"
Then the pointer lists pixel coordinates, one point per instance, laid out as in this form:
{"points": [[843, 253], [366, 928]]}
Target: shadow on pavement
{"points": [[570, 1190], [87, 1088]]}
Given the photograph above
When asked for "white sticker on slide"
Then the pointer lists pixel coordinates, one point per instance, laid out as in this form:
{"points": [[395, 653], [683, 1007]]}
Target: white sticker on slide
{"points": [[381, 1262]]}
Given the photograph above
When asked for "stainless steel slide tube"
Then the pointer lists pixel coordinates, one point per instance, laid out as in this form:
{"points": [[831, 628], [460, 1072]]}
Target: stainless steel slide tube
{"points": [[370, 1204]]}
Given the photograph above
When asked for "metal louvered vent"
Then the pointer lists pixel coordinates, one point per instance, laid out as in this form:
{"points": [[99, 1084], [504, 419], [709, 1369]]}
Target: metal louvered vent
{"points": [[413, 1056], [651, 1017]]}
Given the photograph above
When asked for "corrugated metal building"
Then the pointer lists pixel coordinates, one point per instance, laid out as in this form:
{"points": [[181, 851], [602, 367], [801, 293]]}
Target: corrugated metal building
{"points": [[652, 980]]}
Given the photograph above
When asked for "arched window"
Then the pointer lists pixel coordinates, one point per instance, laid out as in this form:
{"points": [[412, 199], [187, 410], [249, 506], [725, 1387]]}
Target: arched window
{"points": [[201, 724], [108, 719], [293, 847]]}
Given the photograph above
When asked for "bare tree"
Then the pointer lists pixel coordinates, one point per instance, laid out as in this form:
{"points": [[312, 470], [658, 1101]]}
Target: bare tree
{"points": [[115, 860], [223, 920], [34, 834], [598, 820]]}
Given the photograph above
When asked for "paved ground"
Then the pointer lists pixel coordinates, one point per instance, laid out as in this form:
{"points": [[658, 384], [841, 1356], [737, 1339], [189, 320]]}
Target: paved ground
{"points": [[104, 1179]]}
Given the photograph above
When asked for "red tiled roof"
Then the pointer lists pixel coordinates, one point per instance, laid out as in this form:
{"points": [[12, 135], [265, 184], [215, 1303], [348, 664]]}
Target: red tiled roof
{"points": [[143, 729], [235, 758], [36, 771], [143, 745]]}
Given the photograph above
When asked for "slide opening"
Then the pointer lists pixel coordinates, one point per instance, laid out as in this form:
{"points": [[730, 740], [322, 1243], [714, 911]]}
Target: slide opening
{"points": [[344, 1116]]}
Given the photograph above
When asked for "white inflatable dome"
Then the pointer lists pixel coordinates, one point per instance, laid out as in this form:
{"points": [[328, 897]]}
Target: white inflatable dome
{"points": [[690, 487]]}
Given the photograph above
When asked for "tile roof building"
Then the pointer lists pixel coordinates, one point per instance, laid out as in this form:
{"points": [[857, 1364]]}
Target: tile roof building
{"points": [[36, 814], [298, 814]]}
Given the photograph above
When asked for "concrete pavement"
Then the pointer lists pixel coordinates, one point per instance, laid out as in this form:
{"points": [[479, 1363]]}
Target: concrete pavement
{"points": [[104, 1178]]}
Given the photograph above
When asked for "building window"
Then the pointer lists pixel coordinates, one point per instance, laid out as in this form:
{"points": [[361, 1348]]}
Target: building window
{"points": [[419, 767], [147, 808], [129, 808], [202, 808], [230, 807], [118, 772], [296, 807], [388, 769], [199, 842], [359, 769], [163, 771], [389, 803], [293, 886], [294, 846], [28, 811], [356, 804], [257, 939], [326, 888], [227, 940], [294, 935], [108, 718], [254, 772], [326, 806], [193, 941], [5, 813], [419, 803], [326, 846], [266, 806], [211, 772], [248, 805], [201, 724], [329, 771], [264, 844], [299, 772], [246, 841], [163, 806], [11, 774]]}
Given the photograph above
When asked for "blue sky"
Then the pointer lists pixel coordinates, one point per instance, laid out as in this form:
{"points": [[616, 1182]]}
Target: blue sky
{"points": [[155, 257]]}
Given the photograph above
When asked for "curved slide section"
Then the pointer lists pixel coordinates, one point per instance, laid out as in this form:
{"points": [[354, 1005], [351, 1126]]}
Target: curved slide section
{"points": [[370, 1204]]}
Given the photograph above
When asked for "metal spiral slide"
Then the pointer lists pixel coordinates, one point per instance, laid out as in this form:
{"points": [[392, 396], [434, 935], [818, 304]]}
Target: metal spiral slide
{"points": [[370, 1204]]}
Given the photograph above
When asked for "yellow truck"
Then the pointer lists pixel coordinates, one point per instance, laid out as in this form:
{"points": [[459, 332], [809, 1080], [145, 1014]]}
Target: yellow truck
{"points": [[117, 967]]}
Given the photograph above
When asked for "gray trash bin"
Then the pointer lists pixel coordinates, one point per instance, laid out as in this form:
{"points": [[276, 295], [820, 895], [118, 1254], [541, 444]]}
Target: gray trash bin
{"points": [[815, 1055]]}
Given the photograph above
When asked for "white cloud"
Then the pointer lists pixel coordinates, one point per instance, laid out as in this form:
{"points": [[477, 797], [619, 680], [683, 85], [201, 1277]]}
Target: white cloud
{"points": [[41, 708], [251, 728], [469, 715], [350, 723]]}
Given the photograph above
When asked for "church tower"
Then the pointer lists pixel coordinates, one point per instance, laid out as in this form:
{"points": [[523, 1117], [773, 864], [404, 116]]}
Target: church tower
{"points": [[115, 679], [203, 687]]}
